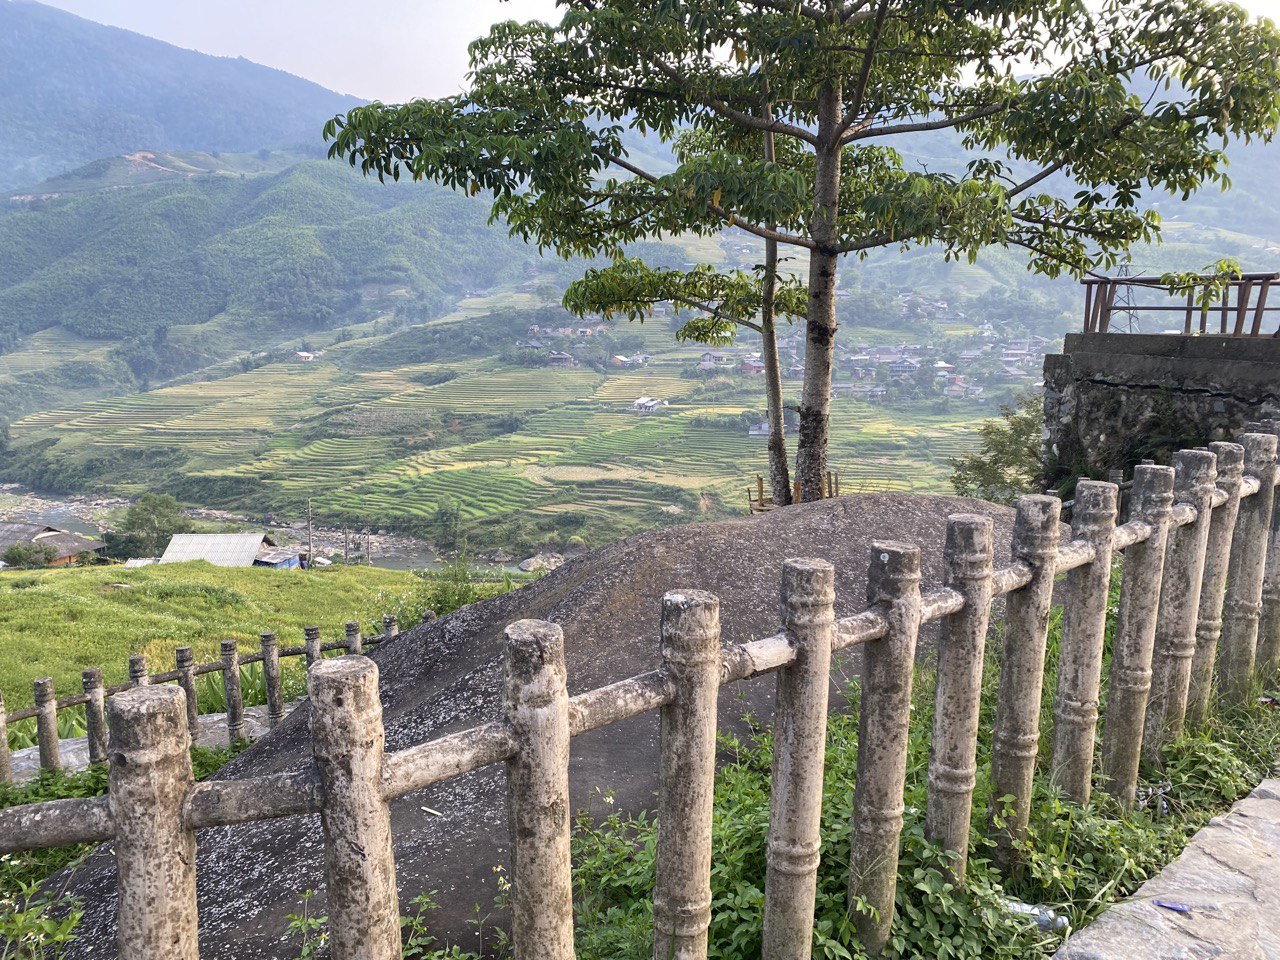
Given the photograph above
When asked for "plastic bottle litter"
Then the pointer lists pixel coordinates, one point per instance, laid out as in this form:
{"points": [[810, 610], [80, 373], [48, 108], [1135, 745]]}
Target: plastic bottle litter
{"points": [[1045, 919]]}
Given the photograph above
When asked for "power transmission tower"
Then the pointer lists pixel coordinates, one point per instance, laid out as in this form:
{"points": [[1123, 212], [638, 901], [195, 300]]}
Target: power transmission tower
{"points": [[1122, 311]]}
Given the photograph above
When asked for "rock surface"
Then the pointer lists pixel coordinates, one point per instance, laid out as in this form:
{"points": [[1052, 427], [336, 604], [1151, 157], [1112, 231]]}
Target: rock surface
{"points": [[1226, 878], [446, 675], [542, 561]]}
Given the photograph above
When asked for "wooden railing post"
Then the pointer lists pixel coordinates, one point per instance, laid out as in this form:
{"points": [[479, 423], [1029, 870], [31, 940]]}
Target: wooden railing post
{"points": [[95, 716], [1242, 607], [360, 876], [799, 751], [1213, 586], [47, 724], [536, 702], [1129, 682], [1084, 626], [149, 778], [1269, 624], [953, 768], [271, 678], [138, 670], [687, 769], [893, 584], [390, 626], [186, 665], [6, 762], [231, 687], [1193, 483], [355, 642], [312, 640], [1016, 736]]}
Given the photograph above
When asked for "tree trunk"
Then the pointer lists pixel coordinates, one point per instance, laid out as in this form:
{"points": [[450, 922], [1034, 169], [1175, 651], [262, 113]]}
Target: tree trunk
{"points": [[820, 327], [779, 469]]}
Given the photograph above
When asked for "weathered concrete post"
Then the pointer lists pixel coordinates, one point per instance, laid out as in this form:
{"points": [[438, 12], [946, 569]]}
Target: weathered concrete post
{"points": [[1084, 625], [1213, 586], [138, 670], [231, 687], [1016, 736], [95, 717], [186, 665], [6, 762], [953, 768], [687, 770], [1269, 624], [390, 626], [1129, 682], [271, 678], [47, 724], [355, 642], [1242, 608], [1193, 483], [536, 702], [312, 640], [360, 874], [893, 584], [799, 751], [149, 778]]}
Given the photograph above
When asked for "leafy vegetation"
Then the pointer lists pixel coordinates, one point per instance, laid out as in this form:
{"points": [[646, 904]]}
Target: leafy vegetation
{"points": [[1006, 463], [147, 527]]}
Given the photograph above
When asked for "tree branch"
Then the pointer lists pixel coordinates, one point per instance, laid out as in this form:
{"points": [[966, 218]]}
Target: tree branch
{"points": [[866, 134]]}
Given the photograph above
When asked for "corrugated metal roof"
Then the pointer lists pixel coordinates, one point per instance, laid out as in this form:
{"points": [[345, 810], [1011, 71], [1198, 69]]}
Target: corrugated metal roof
{"points": [[135, 562], [220, 549]]}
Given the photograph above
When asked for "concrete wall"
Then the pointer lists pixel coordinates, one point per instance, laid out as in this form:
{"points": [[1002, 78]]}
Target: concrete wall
{"points": [[1112, 399]]}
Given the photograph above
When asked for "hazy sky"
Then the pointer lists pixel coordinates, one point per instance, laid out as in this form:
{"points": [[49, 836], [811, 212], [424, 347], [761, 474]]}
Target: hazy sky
{"points": [[390, 50]]}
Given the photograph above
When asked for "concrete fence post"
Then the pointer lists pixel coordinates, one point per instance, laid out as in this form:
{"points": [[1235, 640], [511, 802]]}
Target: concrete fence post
{"points": [[150, 775], [390, 626], [1084, 626], [953, 768], [138, 670], [536, 703], [95, 716], [355, 642], [1269, 624], [231, 687], [1195, 472], [360, 876], [1129, 682], [884, 719], [47, 724], [1213, 585], [1242, 607], [687, 769], [311, 639], [799, 752], [186, 664], [6, 761], [1016, 736], [271, 678]]}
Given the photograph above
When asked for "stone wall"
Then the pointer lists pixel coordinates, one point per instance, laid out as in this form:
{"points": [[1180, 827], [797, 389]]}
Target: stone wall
{"points": [[1112, 399]]}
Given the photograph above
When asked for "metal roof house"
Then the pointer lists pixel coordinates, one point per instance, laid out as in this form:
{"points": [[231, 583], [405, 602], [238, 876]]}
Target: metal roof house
{"points": [[67, 545], [230, 550]]}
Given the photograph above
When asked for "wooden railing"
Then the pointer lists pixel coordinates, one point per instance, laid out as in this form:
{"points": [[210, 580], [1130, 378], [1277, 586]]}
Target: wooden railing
{"points": [[1240, 312], [1199, 616], [96, 693]]}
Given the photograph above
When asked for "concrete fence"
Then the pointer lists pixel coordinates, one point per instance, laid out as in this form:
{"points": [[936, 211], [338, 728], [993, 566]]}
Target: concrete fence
{"points": [[96, 695], [1199, 617]]}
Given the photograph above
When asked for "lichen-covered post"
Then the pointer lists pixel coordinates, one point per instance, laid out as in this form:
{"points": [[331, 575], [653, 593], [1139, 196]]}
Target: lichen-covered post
{"points": [[95, 716], [884, 719], [536, 703], [1193, 483], [271, 678], [1213, 586], [138, 670], [687, 770], [953, 766], [1084, 625], [390, 626], [6, 762], [1129, 682], [1242, 607], [311, 639], [799, 749], [47, 725], [186, 664], [360, 875], [231, 687], [1269, 624], [149, 778], [1016, 736], [355, 642]]}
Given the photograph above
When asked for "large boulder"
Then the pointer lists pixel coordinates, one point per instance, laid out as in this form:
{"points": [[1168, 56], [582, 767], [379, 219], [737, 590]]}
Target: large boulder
{"points": [[446, 675]]}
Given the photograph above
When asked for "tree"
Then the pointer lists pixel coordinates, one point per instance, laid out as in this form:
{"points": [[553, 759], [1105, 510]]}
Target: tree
{"points": [[1007, 462], [29, 556], [1057, 159], [148, 526]]}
